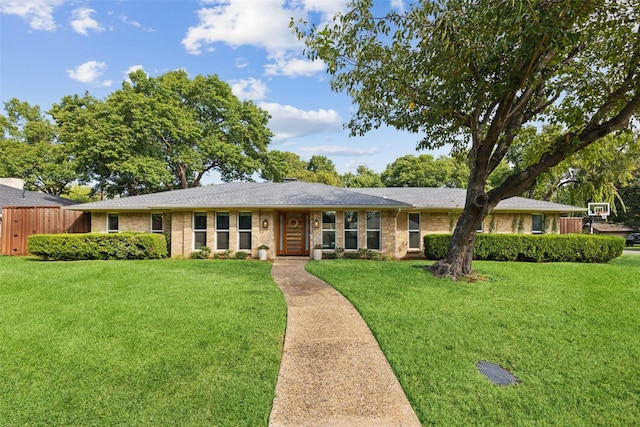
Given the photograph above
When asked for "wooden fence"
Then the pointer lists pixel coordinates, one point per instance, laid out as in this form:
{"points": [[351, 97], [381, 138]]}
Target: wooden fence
{"points": [[570, 225], [18, 223]]}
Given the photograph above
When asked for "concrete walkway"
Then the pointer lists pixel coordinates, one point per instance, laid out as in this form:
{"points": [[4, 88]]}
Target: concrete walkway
{"points": [[333, 372]]}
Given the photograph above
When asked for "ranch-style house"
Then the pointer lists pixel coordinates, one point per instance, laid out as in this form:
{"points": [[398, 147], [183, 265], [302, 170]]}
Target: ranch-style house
{"points": [[293, 217]]}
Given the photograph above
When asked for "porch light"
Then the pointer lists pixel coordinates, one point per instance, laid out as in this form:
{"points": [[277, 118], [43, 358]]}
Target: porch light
{"points": [[316, 223], [265, 223]]}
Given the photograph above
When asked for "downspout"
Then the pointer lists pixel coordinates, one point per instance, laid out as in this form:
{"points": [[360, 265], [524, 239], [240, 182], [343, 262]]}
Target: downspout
{"points": [[395, 236]]}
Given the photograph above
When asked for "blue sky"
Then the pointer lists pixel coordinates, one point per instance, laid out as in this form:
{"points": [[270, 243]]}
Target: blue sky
{"points": [[53, 48]]}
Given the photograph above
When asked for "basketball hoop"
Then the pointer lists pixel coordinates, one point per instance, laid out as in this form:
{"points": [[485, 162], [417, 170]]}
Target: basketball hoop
{"points": [[599, 209]]}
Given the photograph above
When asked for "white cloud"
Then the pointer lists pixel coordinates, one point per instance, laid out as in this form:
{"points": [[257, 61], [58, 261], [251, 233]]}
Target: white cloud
{"points": [[285, 65], [39, 13], [263, 24], [290, 122], [82, 21], [337, 150], [87, 72], [135, 24], [250, 89]]}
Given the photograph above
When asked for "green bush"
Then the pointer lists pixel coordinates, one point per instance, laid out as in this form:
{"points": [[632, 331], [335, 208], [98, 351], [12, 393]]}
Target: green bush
{"points": [[533, 247], [69, 247], [203, 252], [241, 255]]}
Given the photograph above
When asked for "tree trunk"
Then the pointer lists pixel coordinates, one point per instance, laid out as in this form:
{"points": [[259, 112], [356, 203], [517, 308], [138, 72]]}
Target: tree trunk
{"points": [[458, 260]]}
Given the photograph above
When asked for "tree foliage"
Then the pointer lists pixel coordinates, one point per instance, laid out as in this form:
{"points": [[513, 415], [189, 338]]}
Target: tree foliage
{"points": [[166, 132], [29, 149], [425, 171], [473, 73]]}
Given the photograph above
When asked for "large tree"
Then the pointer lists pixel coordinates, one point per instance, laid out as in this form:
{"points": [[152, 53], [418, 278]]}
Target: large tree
{"points": [[472, 73], [425, 171], [165, 132], [30, 149]]}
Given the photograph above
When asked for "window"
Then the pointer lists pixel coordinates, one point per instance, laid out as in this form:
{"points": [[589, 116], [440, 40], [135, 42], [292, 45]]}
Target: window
{"points": [[199, 229], [480, 227], [328, 230], [373, 230], [112, 223], [351, 230], [156, 223], [244, 230], [414, 231], [222, 230], [536, 223]]}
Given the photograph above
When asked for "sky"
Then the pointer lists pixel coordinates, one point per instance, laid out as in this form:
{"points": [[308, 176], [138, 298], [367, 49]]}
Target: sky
{"points": [[53, 48]]}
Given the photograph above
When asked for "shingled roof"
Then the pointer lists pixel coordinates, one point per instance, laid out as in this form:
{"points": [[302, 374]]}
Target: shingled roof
{"points": [[304, 195], [14, 197]]}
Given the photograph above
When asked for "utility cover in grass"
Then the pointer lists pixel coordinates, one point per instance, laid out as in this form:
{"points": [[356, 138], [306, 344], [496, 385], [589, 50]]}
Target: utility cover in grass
{"points": [[496, 373]]}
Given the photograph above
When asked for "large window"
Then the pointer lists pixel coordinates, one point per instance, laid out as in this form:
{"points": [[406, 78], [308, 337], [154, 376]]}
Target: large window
{"points": [[112, 223], [536, 223], [351, 230], [328, 230], [199, 229], [244, 230], [222, 230], [414, 231], [156, 223], [373, 230]]}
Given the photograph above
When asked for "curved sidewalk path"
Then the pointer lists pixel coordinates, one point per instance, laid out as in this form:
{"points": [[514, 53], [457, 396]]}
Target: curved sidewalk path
{"points": [[333, 372]]}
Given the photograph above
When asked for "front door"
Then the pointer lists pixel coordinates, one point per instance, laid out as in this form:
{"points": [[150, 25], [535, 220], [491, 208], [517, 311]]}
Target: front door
{"points": [[293, 236]]}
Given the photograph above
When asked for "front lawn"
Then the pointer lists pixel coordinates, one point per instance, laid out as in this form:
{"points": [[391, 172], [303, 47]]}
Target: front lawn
{"points": [[146, 343], [569, 332]]}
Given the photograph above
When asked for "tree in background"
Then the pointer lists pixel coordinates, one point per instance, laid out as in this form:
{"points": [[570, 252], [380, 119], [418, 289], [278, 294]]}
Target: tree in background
{"points": [[363, 178], [628, 205], [473, 73], [594, 174], [29, 149], [425, 171], [166, 132]]}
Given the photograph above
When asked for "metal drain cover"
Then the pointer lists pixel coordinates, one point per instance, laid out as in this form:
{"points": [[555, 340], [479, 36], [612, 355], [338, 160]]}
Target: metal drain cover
{"points": [[496, 373]]}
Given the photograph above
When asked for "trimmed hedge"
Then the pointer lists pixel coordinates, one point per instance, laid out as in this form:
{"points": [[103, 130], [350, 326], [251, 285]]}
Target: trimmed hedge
{"points": [[69, 247], [533, 247]]}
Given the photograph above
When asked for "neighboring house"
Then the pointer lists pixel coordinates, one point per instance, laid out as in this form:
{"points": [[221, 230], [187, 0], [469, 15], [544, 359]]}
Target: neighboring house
{"points": [[293, 217], [611, 229], [23, 213]]}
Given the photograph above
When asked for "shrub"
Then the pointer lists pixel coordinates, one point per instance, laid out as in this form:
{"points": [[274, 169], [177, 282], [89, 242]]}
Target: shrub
{"points": [[69, 247], [350, 255], [329, 255], [203, 253], [241, 255], [532, 248]]}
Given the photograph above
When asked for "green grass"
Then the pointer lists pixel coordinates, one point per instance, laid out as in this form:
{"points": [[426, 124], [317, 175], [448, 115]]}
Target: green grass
{"points": [[569, 332], [146, 343]]}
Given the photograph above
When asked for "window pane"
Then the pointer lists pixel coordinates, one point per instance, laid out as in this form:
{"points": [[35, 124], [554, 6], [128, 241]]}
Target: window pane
{"points": [[350, 220], [222, 220], [414, 240], [328, 239], [244, 220], [414, 221], [245, 240], [536, 223], [351, 240], [199, 239], [156, 223], [373, 240], [199, 220], [328, 220], [222, 240], [112, 222], [373, 221]]}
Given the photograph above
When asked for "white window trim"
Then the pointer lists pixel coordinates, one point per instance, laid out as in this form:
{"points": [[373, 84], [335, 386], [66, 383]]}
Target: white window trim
{"points": [[245, 230], [379, 230], [334, 229], [357, 231], [118, 217], [227, 230], [199, 230], [541, 223], [410, 230], [161, 231]]}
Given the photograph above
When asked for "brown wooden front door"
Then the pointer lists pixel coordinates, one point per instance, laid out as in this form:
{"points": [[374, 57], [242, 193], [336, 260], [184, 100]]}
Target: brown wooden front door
{"points": [[293, 234]]}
